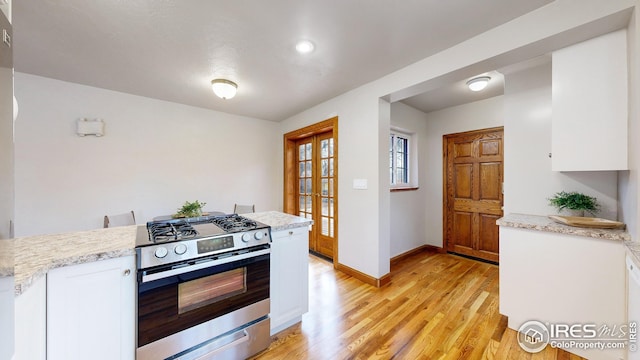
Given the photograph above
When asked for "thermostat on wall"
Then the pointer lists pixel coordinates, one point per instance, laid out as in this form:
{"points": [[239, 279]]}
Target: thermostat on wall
{"points": [[90, 127]]}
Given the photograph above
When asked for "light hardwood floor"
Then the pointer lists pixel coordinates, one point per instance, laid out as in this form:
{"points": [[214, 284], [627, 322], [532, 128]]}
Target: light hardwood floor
{"points": [[437, 306]]}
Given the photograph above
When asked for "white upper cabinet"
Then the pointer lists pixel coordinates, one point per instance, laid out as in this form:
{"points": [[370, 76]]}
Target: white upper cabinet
{"points": [[589, 99]]}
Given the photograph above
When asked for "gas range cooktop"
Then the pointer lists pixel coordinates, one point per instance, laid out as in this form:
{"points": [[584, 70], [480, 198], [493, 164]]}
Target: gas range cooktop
{"points": [[197, 227], [168, 241]]}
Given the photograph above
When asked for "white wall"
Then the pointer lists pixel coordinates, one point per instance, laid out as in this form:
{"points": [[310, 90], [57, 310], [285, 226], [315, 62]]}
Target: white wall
{"points": [[473, 116], [358, 138], [6, 152], [359, 110], [528, 179], [155, 155], [408, 208], [629, 211]]}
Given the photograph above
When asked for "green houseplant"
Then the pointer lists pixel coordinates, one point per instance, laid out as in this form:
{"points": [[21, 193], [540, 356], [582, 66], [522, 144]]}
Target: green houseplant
{"points": [[190, 209], [574, 201]]}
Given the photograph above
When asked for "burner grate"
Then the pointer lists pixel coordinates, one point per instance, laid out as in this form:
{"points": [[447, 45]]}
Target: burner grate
{"points": [[168, 231], [234, 223]]}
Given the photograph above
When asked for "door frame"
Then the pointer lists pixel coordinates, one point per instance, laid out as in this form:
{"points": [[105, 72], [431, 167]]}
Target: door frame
{"points": [[290, 193], [445, 162]]}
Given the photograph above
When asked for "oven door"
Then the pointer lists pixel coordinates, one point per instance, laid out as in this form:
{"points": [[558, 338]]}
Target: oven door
{"points": [[186, 303]]}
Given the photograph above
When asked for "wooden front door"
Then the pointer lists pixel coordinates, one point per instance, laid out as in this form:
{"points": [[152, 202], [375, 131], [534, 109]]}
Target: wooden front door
{"points": [[473, 192]]}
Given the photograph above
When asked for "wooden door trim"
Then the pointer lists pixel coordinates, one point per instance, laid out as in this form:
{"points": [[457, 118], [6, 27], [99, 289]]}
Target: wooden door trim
{"points": [[290, 168], [445, 173]]}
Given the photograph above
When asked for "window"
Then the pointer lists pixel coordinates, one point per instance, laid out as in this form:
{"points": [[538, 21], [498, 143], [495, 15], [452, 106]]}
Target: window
{"points": [[399, 149]]}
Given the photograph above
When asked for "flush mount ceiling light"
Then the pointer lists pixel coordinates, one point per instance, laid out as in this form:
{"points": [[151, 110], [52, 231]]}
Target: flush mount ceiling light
{"points": [[479, 83], [223, 88], [304, 46]]}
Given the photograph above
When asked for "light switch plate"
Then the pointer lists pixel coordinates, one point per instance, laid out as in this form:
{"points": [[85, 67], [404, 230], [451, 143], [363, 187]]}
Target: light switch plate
{"points": [[360, 184]]}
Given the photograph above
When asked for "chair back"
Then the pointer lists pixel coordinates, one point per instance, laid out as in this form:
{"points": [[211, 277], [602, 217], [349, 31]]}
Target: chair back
{"points": [[244, 209], [120, 219]]}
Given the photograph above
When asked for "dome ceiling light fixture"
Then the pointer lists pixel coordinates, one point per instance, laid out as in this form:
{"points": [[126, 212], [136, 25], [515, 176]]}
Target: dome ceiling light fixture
{"points": [[304, 46], [478, 83], [223, 88]]}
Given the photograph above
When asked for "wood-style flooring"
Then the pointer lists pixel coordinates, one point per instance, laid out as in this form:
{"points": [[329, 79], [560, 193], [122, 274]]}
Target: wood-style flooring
{"points": [[437, 306]]}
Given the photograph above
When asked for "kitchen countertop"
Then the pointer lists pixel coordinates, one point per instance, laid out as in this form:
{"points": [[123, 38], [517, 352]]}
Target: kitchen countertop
{"points": [[6, 257], [279, 221], [36, 255], [633, 249], [543, 223]]}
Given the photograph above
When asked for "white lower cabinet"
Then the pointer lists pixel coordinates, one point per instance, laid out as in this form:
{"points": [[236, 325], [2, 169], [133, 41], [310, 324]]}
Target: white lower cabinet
{"points": [[289, 277], [31, 322], [91, 310], [563, 279]]}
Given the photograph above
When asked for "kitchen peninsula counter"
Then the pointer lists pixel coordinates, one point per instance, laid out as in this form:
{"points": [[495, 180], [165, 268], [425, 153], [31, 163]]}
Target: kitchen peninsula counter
{"points": [[279, 221], [36, 255], [560, 274]]}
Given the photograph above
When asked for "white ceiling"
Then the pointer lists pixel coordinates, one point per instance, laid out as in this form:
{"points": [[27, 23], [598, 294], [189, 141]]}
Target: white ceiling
{"points": [[456, 93], [171, 49]]}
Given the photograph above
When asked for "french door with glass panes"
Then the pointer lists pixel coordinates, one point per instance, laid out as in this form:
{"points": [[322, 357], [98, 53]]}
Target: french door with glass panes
{"points": [[316, 190]]}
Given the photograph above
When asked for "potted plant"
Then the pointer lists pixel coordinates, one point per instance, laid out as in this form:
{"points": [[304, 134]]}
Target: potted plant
{"points": [[577, 203], [190, 209]]}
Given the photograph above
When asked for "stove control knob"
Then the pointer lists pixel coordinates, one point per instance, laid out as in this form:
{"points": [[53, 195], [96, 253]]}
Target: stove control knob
{"points": [[258, 235], [161, 252], [246, 237], [180, 249]]}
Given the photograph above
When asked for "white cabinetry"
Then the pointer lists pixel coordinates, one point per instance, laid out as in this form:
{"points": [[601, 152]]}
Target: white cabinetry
{"points": [[31, 322], [589, 105], [91, 310], [633, 302], [289, 277], [7, 311], [562, 279]]}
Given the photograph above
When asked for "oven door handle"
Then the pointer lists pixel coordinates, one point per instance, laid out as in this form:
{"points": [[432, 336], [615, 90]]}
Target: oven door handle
{"points": [[202, 265]]}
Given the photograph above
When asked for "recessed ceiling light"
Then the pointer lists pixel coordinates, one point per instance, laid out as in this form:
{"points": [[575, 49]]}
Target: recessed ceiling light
{"points": [[304, 46], [479, 83]]}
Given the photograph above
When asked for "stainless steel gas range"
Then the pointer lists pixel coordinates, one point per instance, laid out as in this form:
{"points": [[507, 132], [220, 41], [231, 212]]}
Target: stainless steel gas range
{"points": [[203, 288]]}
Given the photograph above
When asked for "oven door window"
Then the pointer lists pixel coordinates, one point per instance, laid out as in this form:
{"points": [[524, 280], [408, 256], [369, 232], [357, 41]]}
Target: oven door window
{"points": [[201, 292], [170, 305]]}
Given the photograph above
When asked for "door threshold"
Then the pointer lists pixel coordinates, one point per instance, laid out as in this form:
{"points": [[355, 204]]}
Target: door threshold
{"points": [[321, 256], [473, 258]]}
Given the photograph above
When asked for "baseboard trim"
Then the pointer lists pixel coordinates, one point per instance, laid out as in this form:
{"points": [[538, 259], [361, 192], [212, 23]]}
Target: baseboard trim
{"points": [[398, 258], [367, 279], [385, 279]]}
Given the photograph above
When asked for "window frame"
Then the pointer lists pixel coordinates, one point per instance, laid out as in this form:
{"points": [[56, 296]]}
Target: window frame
{"points": [[410, 162]]}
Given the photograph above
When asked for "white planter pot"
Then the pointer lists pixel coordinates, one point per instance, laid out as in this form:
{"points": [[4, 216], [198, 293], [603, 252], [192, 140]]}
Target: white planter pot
{"points": [[571, 212]]}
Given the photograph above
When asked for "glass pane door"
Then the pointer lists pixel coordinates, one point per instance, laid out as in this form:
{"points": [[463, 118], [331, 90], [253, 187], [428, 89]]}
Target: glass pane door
{"points": [[326, 185], [316, 189], [305, 178]]}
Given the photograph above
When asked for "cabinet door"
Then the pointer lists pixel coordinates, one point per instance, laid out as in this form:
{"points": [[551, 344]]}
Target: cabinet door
{"points": [[289, 277], [91, 310], [31, 322], [589, 104]]}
